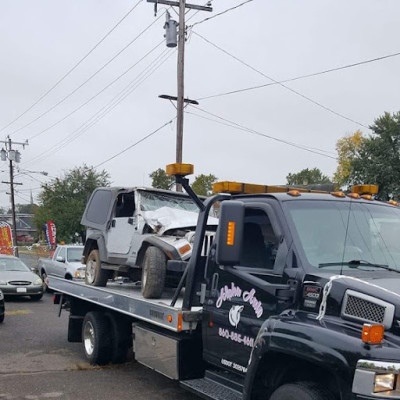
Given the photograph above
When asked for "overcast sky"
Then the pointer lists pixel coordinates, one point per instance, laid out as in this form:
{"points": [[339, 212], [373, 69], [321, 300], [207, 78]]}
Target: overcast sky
{"points": [[42, 40]]}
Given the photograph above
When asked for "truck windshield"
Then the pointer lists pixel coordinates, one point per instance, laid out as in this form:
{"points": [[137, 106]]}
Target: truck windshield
{"points": [[347, 234], [151, 201], [74, 254]]}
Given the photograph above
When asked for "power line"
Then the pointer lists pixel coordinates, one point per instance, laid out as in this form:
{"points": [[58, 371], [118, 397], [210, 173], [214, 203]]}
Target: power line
{"points": [[96, 95], [281, 84], [301, 76], [121, 96], [235, 125], [135, 144], [88, 79], [74, 67], [221, 13]]}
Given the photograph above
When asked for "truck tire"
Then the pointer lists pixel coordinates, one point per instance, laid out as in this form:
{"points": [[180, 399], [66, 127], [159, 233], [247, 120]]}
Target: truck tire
{"points": [[95, 338], [43, 275], [121, 338], [153, 273], [1, 318], [302, 391], [95, 275]]}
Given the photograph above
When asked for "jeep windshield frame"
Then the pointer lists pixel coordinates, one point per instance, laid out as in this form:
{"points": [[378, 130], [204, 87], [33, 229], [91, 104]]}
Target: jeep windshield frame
{"points": [[339, 231]]}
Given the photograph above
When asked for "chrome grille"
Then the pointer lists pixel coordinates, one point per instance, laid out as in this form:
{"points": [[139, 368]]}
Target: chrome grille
{"points": [[19, 283], [364, 308]]}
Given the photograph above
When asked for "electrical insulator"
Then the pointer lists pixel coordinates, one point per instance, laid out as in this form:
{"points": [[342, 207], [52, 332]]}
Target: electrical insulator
{"points": [[17, 157], [171, 31], [3, 155], [11, 155]]}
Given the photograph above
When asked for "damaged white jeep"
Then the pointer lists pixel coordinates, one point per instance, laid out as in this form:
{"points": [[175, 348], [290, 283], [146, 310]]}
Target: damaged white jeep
{"points": [[134, 232]]}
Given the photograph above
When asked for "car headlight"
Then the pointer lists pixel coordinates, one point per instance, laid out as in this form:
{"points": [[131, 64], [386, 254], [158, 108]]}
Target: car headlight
{"points": [[38, 282], [384, 382], [3, 282]]}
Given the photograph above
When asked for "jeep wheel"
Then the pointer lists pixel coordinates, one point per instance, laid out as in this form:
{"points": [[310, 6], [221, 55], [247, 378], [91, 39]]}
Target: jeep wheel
{"points": [[95, 275], [302, 391], [153, 273]]}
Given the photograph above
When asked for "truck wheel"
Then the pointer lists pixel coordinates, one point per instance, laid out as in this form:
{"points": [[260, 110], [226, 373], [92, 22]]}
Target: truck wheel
{"points": [[153, 273], [95, 338], [43, 275], [95, 276], [121, 338], [302, 391], [1, 318]]}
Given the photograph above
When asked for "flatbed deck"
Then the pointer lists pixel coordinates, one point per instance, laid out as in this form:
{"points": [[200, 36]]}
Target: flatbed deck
{"points": [[127, 299]]}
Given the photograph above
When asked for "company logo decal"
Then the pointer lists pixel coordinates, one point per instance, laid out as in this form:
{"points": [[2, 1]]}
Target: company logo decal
{"points": [[228, 293], [234, 315]]}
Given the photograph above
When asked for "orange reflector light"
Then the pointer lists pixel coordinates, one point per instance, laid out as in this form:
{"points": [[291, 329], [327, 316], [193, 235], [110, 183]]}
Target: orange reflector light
{"points": [[230, 236], [338, 194], [372, 334], [354, 195], [294, 193], [367, 197], [393, 203], [179, 322], [184, 249], [169, 318], [180, 169]]}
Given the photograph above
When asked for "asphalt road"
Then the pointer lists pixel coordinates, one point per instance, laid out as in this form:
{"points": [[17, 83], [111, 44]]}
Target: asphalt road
{"points": [[37, 362]]}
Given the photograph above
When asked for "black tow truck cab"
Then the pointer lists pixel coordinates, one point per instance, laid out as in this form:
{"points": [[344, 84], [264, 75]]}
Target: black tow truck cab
{"points": [[297, 299]]}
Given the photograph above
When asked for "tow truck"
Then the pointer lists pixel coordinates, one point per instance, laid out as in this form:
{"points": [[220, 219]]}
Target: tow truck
{"points": [[298, 298]]}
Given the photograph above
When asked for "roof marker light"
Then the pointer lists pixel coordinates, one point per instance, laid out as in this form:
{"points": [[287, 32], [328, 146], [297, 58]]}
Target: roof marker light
{"points": [[338, 194], [294, 193], [367, 196], [393, 203], [354, 195], [180, 169]]}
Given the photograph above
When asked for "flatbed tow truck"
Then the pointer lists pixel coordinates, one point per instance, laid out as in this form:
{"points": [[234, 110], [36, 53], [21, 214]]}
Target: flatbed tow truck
{"points": [[297, 299]]}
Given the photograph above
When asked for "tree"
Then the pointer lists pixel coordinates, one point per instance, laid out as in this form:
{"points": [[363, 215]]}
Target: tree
{"points": [[63, 200], [307, 177], [378, 159], [25, 208], [160, 180], [202, 184], [348, 149]]}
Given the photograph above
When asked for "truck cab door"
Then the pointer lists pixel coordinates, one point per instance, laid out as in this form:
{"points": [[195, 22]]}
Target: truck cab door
{"points": [[122, 225], [241, 297], [58, 266]]}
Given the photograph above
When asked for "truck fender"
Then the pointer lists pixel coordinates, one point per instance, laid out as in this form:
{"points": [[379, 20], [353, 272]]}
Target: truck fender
{"points": [[282, 345], [170, 251], [94, 241]]}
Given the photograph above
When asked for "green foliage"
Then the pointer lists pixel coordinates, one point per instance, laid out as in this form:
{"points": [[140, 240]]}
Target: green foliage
{"points": [[63, 200], [202, 184], [378, 161], [307, 177], [25, 208], [160, 180]]}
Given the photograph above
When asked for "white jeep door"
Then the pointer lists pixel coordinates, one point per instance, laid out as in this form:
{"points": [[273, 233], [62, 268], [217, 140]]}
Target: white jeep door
{"points": [[123, 225]]}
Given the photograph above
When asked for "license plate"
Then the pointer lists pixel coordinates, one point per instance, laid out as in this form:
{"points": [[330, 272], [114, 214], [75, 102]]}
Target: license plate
{"points": [[21, 290]]}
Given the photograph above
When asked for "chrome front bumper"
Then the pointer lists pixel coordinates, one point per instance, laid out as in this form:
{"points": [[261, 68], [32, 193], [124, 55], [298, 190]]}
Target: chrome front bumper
{"points": [[364, 379]]}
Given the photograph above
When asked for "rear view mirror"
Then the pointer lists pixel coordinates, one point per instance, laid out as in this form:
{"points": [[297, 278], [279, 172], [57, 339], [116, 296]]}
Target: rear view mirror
{"points": [[230, 233]]}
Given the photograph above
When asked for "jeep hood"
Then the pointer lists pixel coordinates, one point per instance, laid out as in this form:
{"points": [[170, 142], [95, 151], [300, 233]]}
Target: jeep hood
{"points": [[166, 218]]}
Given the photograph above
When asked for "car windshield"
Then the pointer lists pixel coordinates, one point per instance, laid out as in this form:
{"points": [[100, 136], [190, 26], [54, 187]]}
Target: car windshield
{"points": [[74, 254], [347, 235], [151, 201], [12, 264]]}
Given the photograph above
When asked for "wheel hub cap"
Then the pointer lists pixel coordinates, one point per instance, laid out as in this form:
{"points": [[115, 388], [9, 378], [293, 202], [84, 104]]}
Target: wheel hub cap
{"points": [[88, 338]]}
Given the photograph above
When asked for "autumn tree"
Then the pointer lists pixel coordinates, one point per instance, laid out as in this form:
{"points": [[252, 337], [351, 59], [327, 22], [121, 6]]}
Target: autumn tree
{"points": [[348, 149], [63, 200], [203, 184], [160, 180], [307, 177]]}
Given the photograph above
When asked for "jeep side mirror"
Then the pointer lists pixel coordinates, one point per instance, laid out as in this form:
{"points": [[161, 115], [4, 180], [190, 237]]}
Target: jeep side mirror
{"points": [[230, 233]]}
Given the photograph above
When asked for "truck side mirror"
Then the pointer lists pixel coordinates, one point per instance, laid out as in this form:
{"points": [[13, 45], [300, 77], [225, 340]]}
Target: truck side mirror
{"points": [[60, 259], [230, 233]]}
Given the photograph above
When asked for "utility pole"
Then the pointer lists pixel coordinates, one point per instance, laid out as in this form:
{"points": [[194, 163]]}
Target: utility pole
{"points": [[13, 156], [181, 65]]}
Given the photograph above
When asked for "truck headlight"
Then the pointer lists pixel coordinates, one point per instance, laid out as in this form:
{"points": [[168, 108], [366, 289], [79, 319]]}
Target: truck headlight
{"points": [[384, 382], [38, 282]]}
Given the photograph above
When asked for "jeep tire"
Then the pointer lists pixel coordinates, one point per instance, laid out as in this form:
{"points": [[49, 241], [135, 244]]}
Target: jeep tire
{"points": [[95, 275], [153, 273]]}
